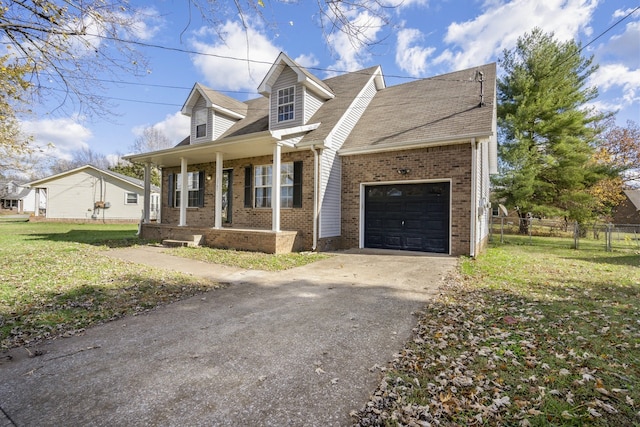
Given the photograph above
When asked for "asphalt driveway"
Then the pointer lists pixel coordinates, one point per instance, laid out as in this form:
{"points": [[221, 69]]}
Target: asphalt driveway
{"points": [[293, 348]]}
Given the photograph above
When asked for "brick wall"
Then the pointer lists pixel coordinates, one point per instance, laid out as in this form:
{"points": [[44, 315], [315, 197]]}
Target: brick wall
{"points": [[296, 219], [437, 163]]}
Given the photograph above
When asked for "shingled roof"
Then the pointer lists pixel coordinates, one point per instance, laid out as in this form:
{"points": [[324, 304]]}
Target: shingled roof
{"points": [[433, 109]]}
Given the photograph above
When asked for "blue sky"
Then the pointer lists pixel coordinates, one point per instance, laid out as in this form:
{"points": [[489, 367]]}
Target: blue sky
{"points": [[424, 38]]}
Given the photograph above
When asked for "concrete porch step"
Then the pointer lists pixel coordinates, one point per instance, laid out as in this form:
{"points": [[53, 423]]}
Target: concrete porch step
{"points": [[191, 240]]}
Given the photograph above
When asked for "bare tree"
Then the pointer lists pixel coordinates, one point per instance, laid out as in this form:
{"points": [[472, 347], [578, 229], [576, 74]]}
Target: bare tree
{"points": [[151, 139]]}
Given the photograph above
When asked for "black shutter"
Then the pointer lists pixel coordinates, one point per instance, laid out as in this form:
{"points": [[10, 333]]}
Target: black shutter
{"points": [[172, 177], [201, 189], [248, 187], [297, 184]]}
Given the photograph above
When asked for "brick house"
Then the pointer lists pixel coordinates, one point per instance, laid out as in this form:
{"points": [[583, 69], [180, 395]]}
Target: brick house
{"points": [[628, 211], [361, 165]]}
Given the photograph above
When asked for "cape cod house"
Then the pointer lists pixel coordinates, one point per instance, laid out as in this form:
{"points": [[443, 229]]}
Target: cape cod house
{"points": [[345, 162]]}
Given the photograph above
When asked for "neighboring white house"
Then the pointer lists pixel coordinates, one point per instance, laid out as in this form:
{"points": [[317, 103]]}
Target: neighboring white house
{"points": [[20, 197], [90, 193]]}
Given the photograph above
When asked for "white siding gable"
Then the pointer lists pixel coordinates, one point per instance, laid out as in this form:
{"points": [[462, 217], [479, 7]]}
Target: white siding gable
{"points": [[286, 79], [331, 166], [199, 105]]}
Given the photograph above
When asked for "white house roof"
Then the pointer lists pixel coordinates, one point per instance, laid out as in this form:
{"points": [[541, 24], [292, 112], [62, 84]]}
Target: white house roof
{"points": [[118, 176]]}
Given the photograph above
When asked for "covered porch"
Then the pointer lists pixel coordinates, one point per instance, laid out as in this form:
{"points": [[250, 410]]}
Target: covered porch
{"points": [[217, 233]]}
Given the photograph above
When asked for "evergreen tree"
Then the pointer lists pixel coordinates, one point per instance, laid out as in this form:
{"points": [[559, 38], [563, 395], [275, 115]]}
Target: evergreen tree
{"points": [[546, 134]]}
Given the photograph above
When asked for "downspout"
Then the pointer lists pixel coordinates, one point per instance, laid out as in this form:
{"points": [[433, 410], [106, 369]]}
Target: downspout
{"points": [[474, 202], [315, 197]]}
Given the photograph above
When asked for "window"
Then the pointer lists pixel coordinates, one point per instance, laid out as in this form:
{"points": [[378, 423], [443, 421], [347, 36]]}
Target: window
{"points": [[195, 187], [263, 184], [201, 123], [131, 199], [285, 104]]}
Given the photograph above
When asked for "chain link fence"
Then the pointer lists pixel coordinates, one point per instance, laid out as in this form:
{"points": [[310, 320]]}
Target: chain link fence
{"points": [[606, 236]]}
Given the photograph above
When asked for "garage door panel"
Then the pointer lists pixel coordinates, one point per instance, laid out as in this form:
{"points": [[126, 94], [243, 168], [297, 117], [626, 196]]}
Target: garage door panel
{"points": [[408, 217]]}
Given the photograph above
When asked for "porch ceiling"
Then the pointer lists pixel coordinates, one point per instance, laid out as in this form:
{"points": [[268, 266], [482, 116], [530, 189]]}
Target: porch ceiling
{"points": [[261, 145]]}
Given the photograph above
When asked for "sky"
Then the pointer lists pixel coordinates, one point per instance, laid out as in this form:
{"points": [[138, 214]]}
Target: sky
{"points": [[423, 38]]}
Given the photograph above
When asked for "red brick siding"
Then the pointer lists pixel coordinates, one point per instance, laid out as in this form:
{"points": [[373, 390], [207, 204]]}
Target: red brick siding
{"points": [[296, 219], [437, 163]]}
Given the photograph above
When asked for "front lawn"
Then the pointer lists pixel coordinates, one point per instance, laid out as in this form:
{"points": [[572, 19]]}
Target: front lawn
{"points": [[525, 335], [56, 280]]}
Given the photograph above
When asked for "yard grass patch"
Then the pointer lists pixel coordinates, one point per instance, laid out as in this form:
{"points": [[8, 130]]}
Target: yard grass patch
{"points": [[248, 260], [528, 335], [56, 280]]}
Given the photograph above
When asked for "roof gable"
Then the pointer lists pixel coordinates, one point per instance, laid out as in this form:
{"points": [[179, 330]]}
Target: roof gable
{"points": [[307, 79], [215, 100]]}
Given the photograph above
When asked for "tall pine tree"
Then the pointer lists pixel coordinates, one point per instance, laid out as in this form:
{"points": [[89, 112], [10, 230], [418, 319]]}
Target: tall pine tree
{"points": [[546, 134]]}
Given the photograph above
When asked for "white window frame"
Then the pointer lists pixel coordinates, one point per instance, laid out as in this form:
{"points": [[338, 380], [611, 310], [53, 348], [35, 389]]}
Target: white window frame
{"points": [[286, 104], [262, 186], [201, 119], [193, 188], [126, 198]]}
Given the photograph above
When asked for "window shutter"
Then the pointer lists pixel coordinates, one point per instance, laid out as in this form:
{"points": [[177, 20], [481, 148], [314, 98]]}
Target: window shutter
{"points": [[171, 185], [200, 189], [248, 190], [297, 184]]}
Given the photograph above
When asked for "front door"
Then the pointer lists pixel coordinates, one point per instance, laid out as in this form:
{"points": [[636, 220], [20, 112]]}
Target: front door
{"points": [[227, 197]]}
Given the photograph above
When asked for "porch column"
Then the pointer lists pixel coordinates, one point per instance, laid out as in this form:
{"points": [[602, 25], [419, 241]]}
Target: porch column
{"points": [[275, 188], [36, 208], [184, 192], [218, 204], [146, 206]]}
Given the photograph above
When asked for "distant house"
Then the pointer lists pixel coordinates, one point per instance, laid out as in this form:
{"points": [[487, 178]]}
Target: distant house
{"points": [[345, 162], [628, 211], [19, 197], [90, 193]]}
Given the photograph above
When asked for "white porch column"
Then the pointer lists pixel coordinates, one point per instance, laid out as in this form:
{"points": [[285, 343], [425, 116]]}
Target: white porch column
{"points": [[36, 208], [146, 207], [218, 204], [184, 192], [275, 187]]}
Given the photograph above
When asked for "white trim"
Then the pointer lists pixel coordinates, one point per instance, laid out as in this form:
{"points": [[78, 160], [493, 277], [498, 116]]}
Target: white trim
{"points": [[218, 192], [408, 145], [280, 133], [363, 185]]}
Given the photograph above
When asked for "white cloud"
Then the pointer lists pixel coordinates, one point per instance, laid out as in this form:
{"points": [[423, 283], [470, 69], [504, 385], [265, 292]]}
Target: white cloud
{"points": [[612, 76], [307, 61], [498, 28], [623, 48], [174, 126], [411, 57], [229, 68], [352, 50], [146, 24], [63, 136]]}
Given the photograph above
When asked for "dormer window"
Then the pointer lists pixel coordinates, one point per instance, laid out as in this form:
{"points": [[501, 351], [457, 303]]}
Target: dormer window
{"points": [[201, 123], [285, 104]]}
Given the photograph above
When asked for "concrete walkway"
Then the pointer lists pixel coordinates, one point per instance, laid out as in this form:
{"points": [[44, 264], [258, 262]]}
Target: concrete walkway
{"points": [[293, 348]]}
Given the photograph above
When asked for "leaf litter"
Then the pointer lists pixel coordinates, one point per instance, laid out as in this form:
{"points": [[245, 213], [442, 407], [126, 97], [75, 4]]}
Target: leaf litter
{"points": [[489, 356]]}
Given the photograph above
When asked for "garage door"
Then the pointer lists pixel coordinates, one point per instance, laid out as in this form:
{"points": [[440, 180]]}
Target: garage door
{"points": [[412, 217]]}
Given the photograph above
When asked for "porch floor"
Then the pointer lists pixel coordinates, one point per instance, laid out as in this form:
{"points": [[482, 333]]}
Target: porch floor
{"points": [[244, 239]]}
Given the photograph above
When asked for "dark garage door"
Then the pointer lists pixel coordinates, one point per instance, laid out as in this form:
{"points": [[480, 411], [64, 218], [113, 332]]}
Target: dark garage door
{"points": [[412, 217]]}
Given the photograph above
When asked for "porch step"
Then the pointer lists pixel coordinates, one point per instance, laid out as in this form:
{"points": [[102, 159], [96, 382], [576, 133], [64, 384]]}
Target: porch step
{"points": [[191, 240]]}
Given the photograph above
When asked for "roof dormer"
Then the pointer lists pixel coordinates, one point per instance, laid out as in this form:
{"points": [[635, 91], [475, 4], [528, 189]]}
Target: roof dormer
{"points": [[294, 93], [211, 112]]}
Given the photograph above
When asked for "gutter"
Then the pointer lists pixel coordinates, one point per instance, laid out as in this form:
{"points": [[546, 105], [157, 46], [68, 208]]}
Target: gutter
{"points": [[474, 201]]}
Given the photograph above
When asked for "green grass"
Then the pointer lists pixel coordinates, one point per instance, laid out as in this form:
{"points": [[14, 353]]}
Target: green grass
{"points": [[248, 260], [56, 280], [527, 334]]}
